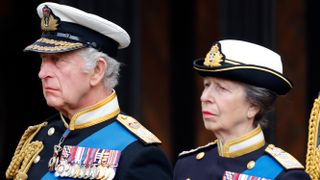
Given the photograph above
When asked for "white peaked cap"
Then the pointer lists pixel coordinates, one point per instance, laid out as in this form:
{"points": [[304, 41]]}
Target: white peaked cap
{"points": [[65, 28], [244, 62]]}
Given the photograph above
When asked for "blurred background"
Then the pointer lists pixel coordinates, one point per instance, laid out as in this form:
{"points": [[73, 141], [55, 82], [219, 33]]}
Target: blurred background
{"points": [[158, 85]]}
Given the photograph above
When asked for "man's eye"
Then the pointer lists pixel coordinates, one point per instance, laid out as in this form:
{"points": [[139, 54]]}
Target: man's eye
{"points": [[55, 58]]}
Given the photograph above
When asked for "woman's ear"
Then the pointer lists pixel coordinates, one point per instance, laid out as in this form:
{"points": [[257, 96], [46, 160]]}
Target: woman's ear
{"points": [[252, 111], [98, 72]]}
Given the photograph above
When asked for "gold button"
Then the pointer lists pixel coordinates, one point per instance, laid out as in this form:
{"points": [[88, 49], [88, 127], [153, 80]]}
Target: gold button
{"points": [[200, 155], [251, 164], [51, 131], [37, 159]]}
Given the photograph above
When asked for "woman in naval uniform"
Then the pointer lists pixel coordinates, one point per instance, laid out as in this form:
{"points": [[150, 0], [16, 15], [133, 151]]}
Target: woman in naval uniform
{"points": [[241, 83]]}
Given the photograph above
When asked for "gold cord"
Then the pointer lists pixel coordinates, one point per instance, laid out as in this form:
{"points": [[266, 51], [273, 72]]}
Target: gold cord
{"points": [[64, 121], [31, 152], [313, 150], [25, 153]]}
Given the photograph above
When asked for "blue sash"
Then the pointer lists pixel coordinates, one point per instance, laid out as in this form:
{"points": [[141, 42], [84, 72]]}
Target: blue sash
{"points": [[265, 167], [113, 137]]}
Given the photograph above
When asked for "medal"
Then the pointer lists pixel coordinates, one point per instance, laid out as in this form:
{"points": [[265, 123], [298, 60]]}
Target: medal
{"points": [[93, 172], [72, 171], [77, 173], [84, 162], [54, 160], [52, 163], [67, 169], [101, 172], [82, 172], [106, 173], [59, 170], [112, 173], [87, 173]]}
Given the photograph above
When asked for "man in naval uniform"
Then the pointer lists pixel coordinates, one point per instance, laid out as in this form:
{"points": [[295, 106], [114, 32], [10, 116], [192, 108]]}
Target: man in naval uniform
{"points": [[89, 138]]}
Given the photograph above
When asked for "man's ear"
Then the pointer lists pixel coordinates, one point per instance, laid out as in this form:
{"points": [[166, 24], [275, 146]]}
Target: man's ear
{"points": [[98, 72]]}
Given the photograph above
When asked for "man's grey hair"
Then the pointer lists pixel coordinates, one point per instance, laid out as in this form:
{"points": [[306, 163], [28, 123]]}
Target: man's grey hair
{"points": [[264, 99], [111, 76]]}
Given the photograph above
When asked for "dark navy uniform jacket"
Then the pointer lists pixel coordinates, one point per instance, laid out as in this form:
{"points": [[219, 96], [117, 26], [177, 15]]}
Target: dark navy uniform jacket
{"points": [[207, 162], [141, 157]]}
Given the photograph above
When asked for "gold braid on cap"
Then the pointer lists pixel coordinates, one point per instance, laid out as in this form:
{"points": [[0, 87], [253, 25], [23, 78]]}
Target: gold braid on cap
{"points": [[25, 153], [313, 150]]}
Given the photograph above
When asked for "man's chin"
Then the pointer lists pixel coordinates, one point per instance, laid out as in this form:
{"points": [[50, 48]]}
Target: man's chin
{"points": [[53, 103]]}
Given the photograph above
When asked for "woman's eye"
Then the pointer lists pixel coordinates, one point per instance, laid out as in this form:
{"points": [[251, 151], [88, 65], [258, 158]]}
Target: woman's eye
{"points": [[206, 85], [222, 88]]}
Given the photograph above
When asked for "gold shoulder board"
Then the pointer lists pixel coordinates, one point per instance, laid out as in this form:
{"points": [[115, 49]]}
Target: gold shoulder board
{"points": [[183, 153], [137, 129], [284, 158]]}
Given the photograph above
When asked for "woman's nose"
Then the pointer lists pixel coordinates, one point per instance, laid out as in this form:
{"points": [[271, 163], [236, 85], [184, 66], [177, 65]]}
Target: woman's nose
{"points": [[206, 96]]}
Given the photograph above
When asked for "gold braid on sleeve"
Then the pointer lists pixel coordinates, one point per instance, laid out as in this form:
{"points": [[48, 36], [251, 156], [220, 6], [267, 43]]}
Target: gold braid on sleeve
{"points": [[313, 148], [25, 153]]}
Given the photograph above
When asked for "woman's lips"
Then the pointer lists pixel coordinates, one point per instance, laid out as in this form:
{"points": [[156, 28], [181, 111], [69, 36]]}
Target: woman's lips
{"points": [[207, 114]]}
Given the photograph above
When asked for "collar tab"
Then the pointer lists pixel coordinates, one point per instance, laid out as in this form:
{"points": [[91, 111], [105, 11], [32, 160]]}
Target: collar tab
{"points": [[242, 145]]}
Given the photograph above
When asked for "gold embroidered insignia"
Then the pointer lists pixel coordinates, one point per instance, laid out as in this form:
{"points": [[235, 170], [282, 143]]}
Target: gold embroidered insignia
{"points": [[284, 158], [214, 57], [136, 128], [48, 21], [197, 149]]}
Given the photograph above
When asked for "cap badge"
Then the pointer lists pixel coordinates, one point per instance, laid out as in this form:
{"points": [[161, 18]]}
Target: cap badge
{"points": [[49, 22], [214, 56]]}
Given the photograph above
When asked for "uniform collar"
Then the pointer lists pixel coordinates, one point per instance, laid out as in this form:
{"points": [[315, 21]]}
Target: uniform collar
{"points": [[242, 145], [97, 113]]}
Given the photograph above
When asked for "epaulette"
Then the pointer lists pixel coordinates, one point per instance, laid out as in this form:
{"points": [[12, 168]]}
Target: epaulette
{"points": [[137, 129], [25, 153], [184, 153], [283, 158]]}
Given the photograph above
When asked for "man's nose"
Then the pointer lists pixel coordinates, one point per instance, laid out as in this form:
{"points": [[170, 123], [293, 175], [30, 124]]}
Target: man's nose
{"points": [[45, 69]]}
